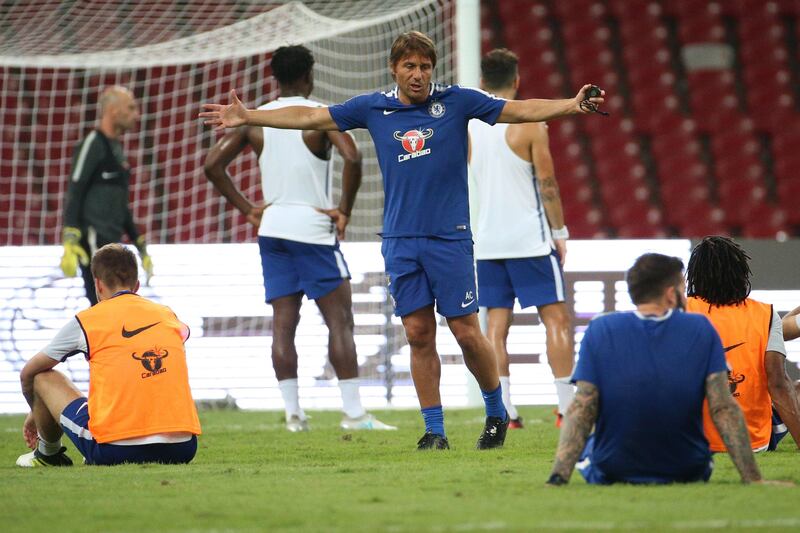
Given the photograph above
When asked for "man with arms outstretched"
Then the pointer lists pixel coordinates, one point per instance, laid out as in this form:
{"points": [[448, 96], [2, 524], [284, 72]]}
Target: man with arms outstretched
{"points": [[642, 377], [297, 233], [420, 134], [520, 236], [140, 407]]}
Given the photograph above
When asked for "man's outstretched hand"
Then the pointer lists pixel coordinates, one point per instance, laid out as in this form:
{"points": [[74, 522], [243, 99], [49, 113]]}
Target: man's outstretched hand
{"points": [[223, 116], [582, 95]]}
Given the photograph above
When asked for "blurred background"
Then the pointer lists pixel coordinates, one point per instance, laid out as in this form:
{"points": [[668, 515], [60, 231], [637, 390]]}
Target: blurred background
{"points": [[702, 139]]}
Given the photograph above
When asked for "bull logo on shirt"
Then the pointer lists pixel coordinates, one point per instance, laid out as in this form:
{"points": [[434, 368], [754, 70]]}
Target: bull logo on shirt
{"points": [[413, 142], [152, 361], [733, 382]]}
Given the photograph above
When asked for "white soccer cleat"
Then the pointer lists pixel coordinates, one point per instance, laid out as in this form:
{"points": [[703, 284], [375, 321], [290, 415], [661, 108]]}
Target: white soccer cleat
{"points": [[295, 424], [26, 460], [366, 421]]}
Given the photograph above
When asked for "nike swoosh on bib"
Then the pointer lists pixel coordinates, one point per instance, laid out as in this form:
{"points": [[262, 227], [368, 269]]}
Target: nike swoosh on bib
{"points": [[131, 333], [387, 112], [732, 346]]}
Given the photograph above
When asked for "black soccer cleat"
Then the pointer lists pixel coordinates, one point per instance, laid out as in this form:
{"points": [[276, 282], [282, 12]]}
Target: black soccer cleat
{"points": [[433, 441], [36, 458], [494, 433]]}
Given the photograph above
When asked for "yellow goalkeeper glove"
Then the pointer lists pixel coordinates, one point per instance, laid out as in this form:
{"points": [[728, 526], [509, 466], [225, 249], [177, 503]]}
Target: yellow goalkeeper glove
{"points": [[147, 262], [73, 252]]}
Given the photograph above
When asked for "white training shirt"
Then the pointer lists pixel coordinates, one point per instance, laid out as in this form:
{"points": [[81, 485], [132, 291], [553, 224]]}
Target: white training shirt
{"points": [[510, 220], [294, 182]]}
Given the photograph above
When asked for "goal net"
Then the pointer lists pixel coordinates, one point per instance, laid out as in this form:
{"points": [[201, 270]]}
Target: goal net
{"points": [[55, 58]]}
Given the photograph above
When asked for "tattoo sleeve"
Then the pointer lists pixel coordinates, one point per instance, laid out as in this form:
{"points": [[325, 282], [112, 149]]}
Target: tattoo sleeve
{"points": [[578, 423], [730, 423]]}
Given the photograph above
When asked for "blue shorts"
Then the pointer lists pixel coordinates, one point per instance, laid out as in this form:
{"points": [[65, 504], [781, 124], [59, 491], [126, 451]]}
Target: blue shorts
{"points": [[594, 476], [533, 280], [424, 270], [75, 423], [290, 267]]}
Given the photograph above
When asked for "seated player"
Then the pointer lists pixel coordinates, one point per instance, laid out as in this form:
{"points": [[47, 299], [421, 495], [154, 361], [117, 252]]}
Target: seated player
{"points": [[140, 407], [642, 378], [718, 280]]}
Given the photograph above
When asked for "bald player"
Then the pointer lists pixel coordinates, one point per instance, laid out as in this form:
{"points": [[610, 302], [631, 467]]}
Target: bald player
{"points": [[97, 211]]}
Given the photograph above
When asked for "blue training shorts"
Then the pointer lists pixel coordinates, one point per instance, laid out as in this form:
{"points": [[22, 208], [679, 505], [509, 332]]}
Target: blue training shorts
{"points": [[594, 476], [424, 270], [533, 280], [290, 267], [75, 423]]}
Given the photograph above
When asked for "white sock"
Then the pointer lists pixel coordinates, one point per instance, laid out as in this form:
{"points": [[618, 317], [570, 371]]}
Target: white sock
{"points": [[49, 448], [351, 399], [566, 392], [291, 399], [506, 386]]}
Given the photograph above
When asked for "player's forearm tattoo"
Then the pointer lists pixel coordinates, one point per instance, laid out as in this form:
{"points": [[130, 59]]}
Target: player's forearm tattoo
{"points": [[731, 426], [578, 423], [549, 190]]}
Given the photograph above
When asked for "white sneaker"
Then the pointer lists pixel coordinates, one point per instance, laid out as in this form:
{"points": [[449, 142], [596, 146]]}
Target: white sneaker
{"points": [[295, 424], [366, 421], [26, 460]]}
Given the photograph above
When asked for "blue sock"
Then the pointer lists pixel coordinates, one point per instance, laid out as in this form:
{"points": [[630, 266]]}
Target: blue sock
{"points": [[494, 403], [434, 419]]}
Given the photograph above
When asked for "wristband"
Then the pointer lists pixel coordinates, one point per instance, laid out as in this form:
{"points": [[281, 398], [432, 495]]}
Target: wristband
{"points": [[560, 233], [556, 479]]}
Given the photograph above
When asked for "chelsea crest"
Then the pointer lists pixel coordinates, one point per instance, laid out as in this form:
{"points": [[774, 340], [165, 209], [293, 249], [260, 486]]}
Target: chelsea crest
{"points": [[436, 109]]}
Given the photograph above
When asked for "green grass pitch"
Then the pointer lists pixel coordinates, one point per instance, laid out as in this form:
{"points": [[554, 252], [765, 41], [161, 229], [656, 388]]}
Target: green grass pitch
{"points": [[252, 475]]}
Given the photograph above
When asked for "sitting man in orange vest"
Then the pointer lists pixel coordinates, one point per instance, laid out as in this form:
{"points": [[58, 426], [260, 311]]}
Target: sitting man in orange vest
{"points": [[718, 285], [140, 407]]}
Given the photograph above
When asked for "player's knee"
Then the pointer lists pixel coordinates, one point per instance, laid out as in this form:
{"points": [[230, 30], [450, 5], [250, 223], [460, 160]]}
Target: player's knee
{"points": [[341, 323], [420, 336], [45, 379], [469, 339], [558, 323]]}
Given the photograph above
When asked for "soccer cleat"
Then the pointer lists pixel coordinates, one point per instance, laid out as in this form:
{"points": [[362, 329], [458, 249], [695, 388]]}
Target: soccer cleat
{"points": [[515, 423], [37, 458], [559, 418], [295, 424], [433, 441], [365, 421], [494, 433]]}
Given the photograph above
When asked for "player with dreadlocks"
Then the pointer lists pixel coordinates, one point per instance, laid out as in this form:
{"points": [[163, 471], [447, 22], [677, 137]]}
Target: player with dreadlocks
{"points": [[718, 286]]}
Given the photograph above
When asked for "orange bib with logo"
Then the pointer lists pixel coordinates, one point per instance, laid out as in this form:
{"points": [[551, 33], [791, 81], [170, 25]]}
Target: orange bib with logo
{"points": [[744, 330], [138, 379]]}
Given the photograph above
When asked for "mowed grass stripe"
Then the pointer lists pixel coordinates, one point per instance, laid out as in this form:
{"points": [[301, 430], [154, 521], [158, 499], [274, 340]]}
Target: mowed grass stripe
{"points": [[252, 475]]}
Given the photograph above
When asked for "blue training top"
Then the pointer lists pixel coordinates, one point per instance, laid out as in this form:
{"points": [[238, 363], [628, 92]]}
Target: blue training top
{"points": [[651, 376], [422, 153]]}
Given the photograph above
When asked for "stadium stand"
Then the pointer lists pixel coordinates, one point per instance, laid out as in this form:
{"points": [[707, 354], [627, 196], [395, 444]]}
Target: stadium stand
{"points": [[682, 139], [690, 149]]}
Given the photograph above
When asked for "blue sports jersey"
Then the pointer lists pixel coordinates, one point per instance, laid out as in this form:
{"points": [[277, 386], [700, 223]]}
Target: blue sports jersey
{"points": [[422, 153], [651, 377]]}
